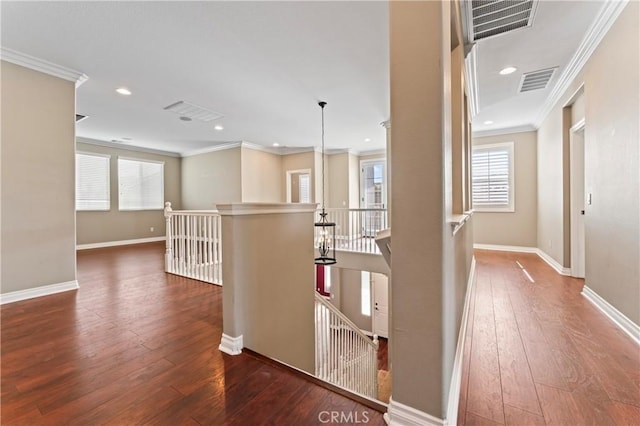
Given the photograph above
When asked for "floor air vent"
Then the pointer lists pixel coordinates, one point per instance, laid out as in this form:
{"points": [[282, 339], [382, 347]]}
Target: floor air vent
{"points": [[493, 17], [536, 80]]}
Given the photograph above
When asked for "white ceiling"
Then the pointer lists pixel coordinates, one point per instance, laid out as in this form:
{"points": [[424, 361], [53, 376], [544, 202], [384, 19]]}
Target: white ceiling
{"points": [[264, 65]]}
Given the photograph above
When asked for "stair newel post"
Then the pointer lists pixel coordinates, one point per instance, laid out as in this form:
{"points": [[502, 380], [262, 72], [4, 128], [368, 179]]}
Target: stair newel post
{"points": [[168, 257]]}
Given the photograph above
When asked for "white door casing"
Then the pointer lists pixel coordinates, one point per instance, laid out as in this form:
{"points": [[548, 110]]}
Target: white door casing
{"points": [[380, 286]]}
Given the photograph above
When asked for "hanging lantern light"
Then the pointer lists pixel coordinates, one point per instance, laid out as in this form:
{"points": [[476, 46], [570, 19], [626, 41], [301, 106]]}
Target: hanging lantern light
{"points": [[325, 230]]}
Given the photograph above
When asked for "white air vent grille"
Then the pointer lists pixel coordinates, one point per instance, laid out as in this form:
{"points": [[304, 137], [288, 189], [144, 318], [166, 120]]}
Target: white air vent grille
{"points": [[195, 112], [536, 80], [493, 17]]}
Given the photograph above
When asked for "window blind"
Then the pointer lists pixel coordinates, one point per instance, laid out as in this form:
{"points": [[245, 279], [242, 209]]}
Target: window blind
{"points": [[492, 177], [141, 185], [305, 191], [92, 182]]}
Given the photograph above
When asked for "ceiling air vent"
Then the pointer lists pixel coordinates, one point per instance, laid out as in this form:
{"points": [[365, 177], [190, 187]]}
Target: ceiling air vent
{"points": [[80, 117], [536, 80], [493, 17], [193, 112]]}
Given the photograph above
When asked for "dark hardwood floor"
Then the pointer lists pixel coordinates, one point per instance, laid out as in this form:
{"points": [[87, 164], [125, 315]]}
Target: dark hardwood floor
{"points": [[540, 353], [137, 346]]}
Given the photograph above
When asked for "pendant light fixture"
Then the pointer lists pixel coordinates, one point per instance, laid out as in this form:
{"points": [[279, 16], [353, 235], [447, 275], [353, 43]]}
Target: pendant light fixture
{"points": [[325, 230]]}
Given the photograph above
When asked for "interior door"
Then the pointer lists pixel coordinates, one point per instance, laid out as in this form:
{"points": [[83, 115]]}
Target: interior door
{"points": [[577, 204], [380, 304]]}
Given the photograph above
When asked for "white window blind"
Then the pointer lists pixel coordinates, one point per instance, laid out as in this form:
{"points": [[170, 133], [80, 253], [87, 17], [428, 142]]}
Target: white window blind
{"points": [[305, 190], [92, 182], [141, 184], [492, 177]]}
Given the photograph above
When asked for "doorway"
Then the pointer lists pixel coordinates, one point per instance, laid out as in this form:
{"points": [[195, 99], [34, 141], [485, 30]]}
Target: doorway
{"points": [[578, 198], [380, 286], [299, 186]]}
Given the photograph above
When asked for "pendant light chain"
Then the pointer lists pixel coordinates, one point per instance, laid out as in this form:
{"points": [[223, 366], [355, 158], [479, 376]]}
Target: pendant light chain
{"points": [[322, 158]]}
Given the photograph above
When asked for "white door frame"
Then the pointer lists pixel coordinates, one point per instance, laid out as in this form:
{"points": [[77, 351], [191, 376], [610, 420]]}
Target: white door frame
{"points": [[288, 179], [575, 201]]}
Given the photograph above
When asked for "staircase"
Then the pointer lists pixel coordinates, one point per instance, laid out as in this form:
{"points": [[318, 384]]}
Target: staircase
{"points": [[345, 356]]}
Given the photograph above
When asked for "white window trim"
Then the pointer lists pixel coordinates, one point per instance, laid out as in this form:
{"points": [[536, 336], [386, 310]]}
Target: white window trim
{"points": [[107, 156], [511, 208], [143, 160], [368, 162]]}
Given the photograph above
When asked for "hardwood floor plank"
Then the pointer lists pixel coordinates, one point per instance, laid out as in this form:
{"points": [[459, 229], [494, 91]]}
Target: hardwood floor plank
{"points": [[137, 346], [585, 370], [516, 417], [475, 420], [559, 407], [518, 389], [484, 397]]}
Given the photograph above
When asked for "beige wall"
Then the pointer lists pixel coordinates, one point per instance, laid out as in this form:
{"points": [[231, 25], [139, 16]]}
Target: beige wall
{"points": [[354, 182], [116, 225], [338, 177], [517, 228], [612, 141], [301, 161], [269, 288], [38, 175], [346, 293], [210, 178], [262, 176]]}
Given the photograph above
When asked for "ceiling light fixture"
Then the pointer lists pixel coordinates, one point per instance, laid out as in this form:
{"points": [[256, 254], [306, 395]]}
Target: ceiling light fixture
{"points": [[218, 127], [325, 230], [276, 144], [123, 91], [508, 70], [488, 122], [367, 139]]}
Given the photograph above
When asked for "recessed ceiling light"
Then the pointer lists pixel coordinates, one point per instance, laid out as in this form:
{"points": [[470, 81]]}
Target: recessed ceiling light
{"points": [[123, 91], [218, 127], [508, 70], [276, 144], [367, 140], [488, 122]]}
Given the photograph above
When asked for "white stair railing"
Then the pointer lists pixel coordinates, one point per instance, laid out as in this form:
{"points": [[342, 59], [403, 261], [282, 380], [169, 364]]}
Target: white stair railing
{"points": [[345, 356], [356, 228], [194, 244]]}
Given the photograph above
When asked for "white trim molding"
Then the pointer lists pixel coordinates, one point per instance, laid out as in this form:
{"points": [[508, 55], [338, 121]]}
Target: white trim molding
{"points": [[553, 263], [504, 131], [603, 22], [231, 345], [43, 66], [120, 243], [45, 290], [519, 249], [456, 374], [471, 80], [242, 209], [402, 415], [625, 324], [116, 145]]}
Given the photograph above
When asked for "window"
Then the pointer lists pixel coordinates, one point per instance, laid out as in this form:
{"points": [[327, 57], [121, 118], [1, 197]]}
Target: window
{"points": [[492, 177], [305, 190], [365, 293], [92, 182], [141, 184]]}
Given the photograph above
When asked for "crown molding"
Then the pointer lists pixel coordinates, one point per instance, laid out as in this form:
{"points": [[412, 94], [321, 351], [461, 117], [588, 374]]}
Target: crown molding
{"points": [[505, 131], [382, 152], [43, 66], [471, 80], [262, 148], [213, 148], [605, 19], [106, 144]]}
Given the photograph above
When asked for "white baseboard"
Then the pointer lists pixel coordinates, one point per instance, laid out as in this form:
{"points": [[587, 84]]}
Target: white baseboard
{"points": [[553, 263], [120, 243], [45, 290], [231, 345], [520, 249], [456, 374], [402, 415], [516, 249], [628, 326]]}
